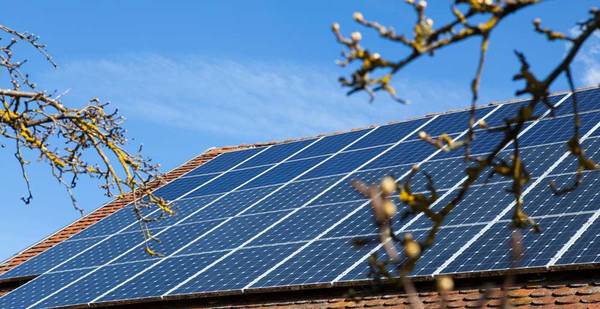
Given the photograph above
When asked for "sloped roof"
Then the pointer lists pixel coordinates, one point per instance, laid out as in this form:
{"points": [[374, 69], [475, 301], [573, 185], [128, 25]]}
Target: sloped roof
{"points": [[581, 291]]}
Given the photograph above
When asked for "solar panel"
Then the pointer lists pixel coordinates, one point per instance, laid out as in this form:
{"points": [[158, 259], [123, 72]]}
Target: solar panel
{"points": [[286, 215]]}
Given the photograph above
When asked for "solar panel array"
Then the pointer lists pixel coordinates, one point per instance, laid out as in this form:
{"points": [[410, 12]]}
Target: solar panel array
{"points": [[285, 215]]}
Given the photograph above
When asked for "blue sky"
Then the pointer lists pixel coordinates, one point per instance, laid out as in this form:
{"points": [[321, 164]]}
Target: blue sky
{"points": [[190, 75]]}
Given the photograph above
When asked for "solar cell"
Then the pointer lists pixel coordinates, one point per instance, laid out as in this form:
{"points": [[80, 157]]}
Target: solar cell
{"points": [[409, 152], [558, 129], [183, 185], [591, 147], [182, 208], [171, 240], [233, 232], [228, 181], [481, 204]]}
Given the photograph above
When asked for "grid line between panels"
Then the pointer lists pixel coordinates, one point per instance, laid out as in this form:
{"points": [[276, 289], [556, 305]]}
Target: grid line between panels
{"points": [[511, 205], [367, 132], [169, 292], [349, 215], [181, 220]]}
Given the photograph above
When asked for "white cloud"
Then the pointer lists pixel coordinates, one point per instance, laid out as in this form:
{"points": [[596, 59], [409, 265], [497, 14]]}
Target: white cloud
{"points": [[589, 60], [257, 100]]}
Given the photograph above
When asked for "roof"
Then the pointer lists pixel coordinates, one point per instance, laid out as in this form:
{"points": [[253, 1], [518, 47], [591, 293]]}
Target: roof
{"points": [[111, 207], [577, 291]]}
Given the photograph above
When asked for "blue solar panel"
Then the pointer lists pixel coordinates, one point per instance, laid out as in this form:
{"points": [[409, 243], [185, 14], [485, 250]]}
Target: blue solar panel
{"points": [[510, 110], [182, 208], [445, 174], [172, 239], [481, 204], [321, 262], [586, 248], [330, 144], [490, 252], [159, 279], [587, 100], [453, 122], [276, 153], [362, 224], [447, 240], [343, 191], [344, 162], [229, 205], [389, 134], [110, 225], [405, 153], [283, 172], [286, 215], [591, 148], [304, 224], [39, 288], [228, 181], [225, 161], [557, 129], [586, 197], [94, 284], [237, 270], [104, 251], [294, 194], [50, 258], [234, 232], [183, 185]]}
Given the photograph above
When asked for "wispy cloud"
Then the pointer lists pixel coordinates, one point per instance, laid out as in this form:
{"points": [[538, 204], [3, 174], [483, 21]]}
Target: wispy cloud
{"points": [[258, 100], [588, 59]]}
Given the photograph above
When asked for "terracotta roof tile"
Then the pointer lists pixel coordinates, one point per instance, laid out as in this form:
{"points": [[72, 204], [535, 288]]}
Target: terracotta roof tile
{"points": [[591, 299]]}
